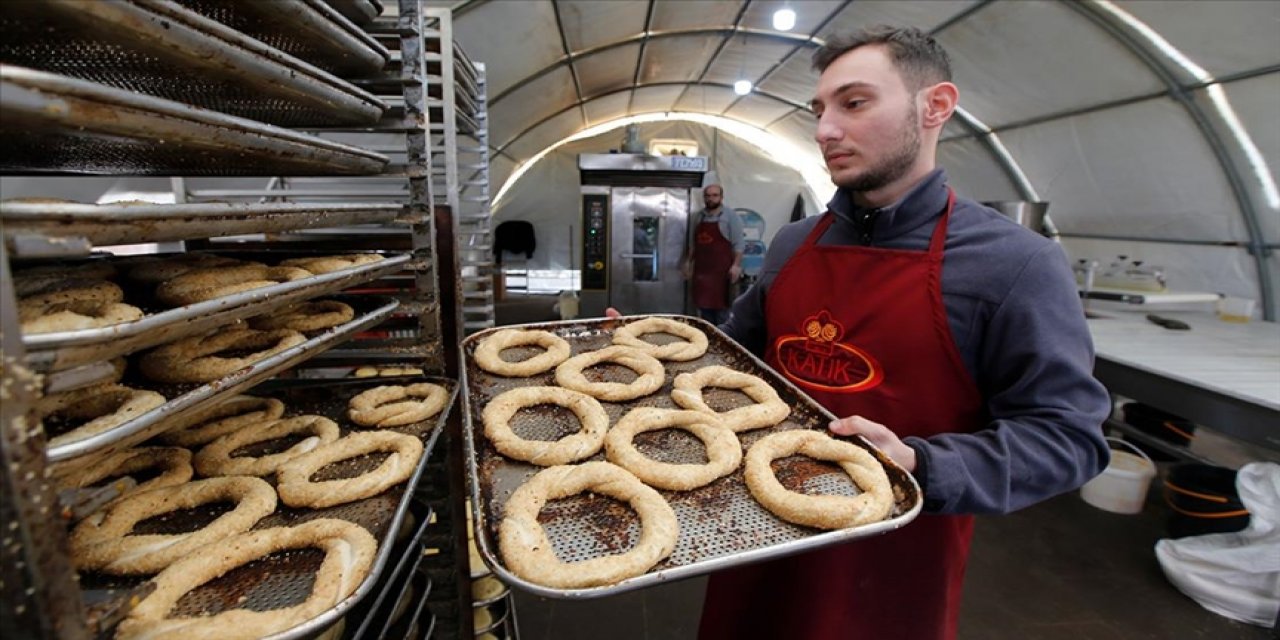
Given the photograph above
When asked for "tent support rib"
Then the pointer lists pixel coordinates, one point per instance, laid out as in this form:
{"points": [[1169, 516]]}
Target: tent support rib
{"points": [[1257, 248]]}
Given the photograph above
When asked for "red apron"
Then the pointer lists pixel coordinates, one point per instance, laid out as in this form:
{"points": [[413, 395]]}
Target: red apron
{"points": [[712, 257], [882, 349]]}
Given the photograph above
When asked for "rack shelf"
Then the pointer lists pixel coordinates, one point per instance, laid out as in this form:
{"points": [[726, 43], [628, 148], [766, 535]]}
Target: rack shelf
{"points": [[55, 124], [168, 51]]}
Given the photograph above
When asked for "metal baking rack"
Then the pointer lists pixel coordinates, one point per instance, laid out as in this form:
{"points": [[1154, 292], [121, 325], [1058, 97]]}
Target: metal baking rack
{"points": [[30, 228], [185, 399], [142, 45], [360, 12], [66, 349], [63, 126], [307, 29], [721, 524], [292, 576], [56, 124]]}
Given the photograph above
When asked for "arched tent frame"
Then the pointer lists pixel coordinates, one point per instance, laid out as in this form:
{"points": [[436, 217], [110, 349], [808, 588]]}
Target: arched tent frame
{"points": [[631, 67]]}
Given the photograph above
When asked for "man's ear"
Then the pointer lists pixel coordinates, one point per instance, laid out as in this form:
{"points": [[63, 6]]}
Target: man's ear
{"points": [[940, 101]]}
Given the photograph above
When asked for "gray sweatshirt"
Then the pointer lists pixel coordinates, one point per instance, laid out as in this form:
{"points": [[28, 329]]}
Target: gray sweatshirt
{"points": [[1017, 321]]}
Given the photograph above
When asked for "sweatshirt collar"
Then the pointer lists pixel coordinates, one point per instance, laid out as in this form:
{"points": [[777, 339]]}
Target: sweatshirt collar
{"points": [[920, 205]]}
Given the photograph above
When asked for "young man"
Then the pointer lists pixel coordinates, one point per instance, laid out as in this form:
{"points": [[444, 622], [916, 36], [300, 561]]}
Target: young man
{"points": [[972, 365], [713, 261]]}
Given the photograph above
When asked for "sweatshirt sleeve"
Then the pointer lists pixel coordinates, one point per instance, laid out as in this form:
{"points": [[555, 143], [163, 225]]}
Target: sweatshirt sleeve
{"points": [[1045, 408], [736, 235]]}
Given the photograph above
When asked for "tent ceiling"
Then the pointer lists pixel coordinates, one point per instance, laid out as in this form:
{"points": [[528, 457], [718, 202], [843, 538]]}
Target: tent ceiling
{"points": [[1067, 87]]}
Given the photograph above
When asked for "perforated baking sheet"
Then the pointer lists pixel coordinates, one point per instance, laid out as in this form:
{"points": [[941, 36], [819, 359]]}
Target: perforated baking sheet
{"points": [[309, 30], [268, 73], [58, 125], [283, 580], [185, 400], [131, 223], [66, 349], [721, 524]]}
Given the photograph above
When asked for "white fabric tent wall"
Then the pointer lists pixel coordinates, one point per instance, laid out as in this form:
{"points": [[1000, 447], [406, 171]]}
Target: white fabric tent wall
{"points": [[548, 196]]}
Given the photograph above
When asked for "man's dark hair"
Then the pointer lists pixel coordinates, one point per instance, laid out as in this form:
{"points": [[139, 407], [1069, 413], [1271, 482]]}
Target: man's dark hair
{"points": [[916, 55]]}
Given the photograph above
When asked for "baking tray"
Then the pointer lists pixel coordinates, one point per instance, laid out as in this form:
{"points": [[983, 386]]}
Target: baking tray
{"points": [[168, 51], [54, 124], [66, 349], [400, 579], [286, 579], [108, 224], [721, 525], [309, 30], [190, 398], [357, 11]]}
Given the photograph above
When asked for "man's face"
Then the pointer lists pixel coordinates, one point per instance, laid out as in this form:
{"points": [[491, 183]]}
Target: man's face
{"points": [[712, 196], [868, 127]]}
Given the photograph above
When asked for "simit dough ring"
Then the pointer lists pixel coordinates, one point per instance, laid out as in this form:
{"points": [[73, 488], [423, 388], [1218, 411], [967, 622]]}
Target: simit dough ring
{"points": [[228, 417], [215, 458], [155, 271], [174, 464], [724, 452], [195, 359], [308, 316], [298, 490], [822, 511], [385, 407], [768, 410], [72, 305], [693, 347], [488, 353], [327, 264], [102, 541], [199, 285], [348, 555], [651, 376], [101, 406], [528, 553], [497, 425]]}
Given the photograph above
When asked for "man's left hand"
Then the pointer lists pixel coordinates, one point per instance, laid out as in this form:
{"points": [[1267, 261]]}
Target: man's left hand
{"points": [[879, 435], [735, 272]]}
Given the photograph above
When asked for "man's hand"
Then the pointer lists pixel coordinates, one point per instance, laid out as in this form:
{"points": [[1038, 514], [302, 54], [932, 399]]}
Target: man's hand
{"points": [[686, 269], [612, 313], [880, 436], [735, 272]]}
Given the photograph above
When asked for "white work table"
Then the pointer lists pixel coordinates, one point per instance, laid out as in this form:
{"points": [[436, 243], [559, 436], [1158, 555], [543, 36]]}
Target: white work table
{"points": [[1223, 375]]}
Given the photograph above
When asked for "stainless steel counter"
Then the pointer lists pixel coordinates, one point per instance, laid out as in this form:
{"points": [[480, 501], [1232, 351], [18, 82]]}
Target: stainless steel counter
{"points": [[1223, 375]]}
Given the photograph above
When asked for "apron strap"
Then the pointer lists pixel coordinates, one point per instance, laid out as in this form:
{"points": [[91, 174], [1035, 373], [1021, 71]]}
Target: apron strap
{"points": [[939, 239]]}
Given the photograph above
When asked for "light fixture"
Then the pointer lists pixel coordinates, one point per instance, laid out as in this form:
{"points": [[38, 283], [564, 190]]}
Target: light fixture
{"points": [[742, 87], [784, 19]]}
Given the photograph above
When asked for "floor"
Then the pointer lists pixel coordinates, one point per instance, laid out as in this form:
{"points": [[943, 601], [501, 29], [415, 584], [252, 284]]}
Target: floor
{"points": [[1061, 570]]}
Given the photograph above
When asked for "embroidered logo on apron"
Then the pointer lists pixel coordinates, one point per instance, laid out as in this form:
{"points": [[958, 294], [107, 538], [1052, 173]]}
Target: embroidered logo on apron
{"points": [[817, 359], [704, 237]]}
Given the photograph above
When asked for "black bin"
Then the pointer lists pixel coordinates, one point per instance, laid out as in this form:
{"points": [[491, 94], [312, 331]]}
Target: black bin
{"points": [[1204, 500]]}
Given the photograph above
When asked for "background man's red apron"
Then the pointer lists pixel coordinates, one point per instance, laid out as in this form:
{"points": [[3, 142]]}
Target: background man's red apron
{"points": [[712, 257], [906, 583]]}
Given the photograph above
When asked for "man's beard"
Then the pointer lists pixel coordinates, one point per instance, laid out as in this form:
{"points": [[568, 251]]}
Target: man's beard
{"points": [[894, 165]]}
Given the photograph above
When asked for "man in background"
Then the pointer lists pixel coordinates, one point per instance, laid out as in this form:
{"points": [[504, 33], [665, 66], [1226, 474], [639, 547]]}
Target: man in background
{"points": [[713, 262]]}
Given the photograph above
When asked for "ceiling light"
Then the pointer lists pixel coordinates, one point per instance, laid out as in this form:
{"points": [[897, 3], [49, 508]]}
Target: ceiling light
{"points": [[784, 19], [742, 87]]}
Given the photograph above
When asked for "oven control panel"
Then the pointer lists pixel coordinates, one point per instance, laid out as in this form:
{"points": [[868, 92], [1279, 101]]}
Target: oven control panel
{"points": [[595, 241]]}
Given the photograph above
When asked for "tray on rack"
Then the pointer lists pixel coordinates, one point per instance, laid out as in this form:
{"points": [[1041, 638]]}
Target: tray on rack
{"points": [[120, 223], [721, 524], [66, 349], [56, 124], [285, 580], [357, 11], [168, 51], [185, 400], [309, 30]]}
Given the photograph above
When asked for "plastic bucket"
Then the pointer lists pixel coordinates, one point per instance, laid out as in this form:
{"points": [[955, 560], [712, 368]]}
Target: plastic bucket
{"points": [[1122, 486]]}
